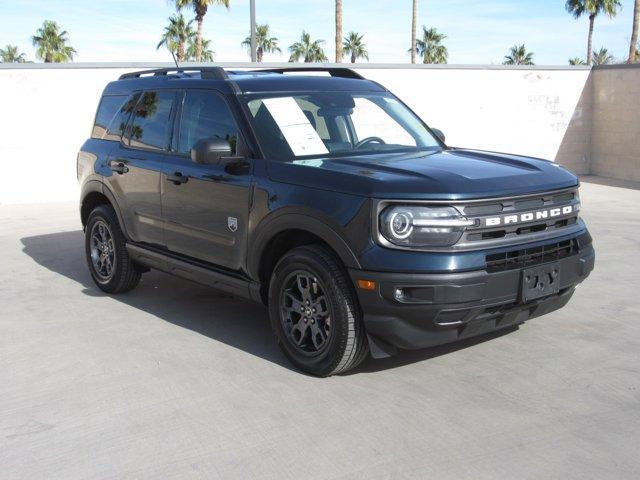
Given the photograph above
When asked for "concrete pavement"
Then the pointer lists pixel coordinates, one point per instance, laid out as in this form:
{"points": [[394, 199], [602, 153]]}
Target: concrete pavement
{"points": [[174, 380]]}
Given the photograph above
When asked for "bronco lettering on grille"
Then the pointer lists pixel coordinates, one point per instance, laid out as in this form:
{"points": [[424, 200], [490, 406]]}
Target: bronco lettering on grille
{"points": [[529, 216]]}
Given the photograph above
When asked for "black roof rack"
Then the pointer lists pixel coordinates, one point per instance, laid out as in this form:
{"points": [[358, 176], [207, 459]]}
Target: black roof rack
{"points": [[333, 71], [207, 73]]}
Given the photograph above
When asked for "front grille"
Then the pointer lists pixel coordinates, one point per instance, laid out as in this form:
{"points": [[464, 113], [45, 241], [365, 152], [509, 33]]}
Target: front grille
{"points": [[498, 262], [516, 232], [525, 230]]}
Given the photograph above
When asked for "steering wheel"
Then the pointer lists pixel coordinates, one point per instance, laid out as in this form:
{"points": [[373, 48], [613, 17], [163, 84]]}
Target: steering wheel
{"points": [[368, 140]]}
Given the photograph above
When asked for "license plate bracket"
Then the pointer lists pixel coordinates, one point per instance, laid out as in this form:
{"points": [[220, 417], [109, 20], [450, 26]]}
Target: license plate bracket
{"points": [[540, 281]]}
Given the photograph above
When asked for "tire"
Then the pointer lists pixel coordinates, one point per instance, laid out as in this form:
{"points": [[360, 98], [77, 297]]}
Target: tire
{"points": [[104, 239], [325, 336]]}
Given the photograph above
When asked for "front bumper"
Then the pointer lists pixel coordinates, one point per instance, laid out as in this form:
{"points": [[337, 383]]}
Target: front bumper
{"points": [[445, 307]]}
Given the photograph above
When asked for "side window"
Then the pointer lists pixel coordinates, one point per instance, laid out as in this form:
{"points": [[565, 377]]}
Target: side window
{"points": [[150, 124], [205, 114], [107, 111], [112, 116]]}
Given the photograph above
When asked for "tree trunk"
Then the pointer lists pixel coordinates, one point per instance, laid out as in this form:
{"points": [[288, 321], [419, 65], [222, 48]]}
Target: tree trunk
{"points": [[199, 19], [414, 22], [180, 53], [633, 48], [353, 55], [338, 31], [259, 54], [590, 41]]}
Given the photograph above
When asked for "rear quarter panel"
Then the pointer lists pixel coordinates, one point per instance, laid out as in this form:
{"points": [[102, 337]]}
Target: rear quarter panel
{"points": [[92, 159]]}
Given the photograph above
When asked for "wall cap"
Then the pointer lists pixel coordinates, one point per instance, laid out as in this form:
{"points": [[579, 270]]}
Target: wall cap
{"points": [[358, 66]]}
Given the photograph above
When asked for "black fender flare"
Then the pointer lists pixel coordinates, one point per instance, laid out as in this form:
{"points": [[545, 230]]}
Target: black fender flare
{"points": [[310, 221], [99, 187]]}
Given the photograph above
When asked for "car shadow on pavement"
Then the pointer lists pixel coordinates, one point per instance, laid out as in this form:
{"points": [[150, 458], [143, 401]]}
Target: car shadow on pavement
{"points": [[236, 322]]}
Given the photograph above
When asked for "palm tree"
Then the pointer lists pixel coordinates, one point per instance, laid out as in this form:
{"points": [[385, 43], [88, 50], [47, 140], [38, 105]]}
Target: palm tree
{"points": [[592, 8], [354, 45], [414, 26], [264, 43], [576, 61], [207, 53], [176, 35], [51, 43], [633, 49], [602, 57], [200, 7], [310, 51], [339, 31], [518, 55], [430, 48], [10, 54]]}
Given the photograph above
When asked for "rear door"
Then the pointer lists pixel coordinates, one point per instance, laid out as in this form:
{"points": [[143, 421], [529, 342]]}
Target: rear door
{"points": [[137, 162], [206, 210]]}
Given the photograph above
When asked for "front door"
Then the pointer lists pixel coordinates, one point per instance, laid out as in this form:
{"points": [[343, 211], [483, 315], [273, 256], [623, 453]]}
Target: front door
{"points": [[205, 207], [145, 127]]}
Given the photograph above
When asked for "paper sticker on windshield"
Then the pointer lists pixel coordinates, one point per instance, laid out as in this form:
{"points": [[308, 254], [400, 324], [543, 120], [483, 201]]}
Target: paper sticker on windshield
{"points": [[295, 126]]}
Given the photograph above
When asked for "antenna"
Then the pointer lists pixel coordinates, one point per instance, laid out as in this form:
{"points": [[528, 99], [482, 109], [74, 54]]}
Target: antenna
{"points": [[174, 60]]}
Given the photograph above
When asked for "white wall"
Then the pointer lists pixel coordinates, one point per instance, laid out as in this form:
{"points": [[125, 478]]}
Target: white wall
{"points": [[517, 111], [47, 115]]}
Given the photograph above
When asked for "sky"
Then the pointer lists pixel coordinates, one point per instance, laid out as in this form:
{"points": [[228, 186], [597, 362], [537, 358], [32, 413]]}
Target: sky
{"points": [[478, 31]]}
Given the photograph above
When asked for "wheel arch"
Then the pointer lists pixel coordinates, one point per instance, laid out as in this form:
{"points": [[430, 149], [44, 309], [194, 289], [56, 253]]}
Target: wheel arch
{"points": [[95, 193], [287, 231]]}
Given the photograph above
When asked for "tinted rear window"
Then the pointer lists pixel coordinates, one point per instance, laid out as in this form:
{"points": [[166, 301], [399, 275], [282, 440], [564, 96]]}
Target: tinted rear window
{"points": [[150, 125], [112, 116], [107, 111]]}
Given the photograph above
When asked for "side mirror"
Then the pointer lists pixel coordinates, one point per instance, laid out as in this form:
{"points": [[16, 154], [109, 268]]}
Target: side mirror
{"points": [[439, 134], [209, 151]]}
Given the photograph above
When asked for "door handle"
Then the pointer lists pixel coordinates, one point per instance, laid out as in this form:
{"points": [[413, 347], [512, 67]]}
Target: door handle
{"points": [[118, 167], [236, 165], [218, 177], [178, 178]]}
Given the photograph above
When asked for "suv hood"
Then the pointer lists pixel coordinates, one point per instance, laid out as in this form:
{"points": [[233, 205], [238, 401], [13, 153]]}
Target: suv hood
{"points": [[449, 174]]}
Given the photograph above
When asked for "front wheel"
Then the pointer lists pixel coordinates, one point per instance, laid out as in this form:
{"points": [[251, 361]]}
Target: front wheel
{"points": [[314, 312]]}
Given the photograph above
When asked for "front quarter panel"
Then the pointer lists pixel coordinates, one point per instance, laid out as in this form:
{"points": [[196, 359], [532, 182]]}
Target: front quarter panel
{"points": [[341, 220]]}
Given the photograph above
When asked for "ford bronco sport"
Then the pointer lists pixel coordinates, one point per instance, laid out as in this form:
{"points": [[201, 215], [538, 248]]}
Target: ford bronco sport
{"points": [[327, 199]]}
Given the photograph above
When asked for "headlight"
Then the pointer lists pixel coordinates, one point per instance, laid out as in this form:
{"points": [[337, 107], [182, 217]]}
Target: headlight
{"points": [[421, 226]]}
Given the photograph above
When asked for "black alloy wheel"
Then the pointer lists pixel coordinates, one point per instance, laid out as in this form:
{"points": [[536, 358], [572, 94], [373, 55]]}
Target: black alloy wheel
{"points": [[102, 251], [315, 313], [305, 312], [110, 266]]}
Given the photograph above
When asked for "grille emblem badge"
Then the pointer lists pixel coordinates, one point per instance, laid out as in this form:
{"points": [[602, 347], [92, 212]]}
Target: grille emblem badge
{"points": [[529, 216]]}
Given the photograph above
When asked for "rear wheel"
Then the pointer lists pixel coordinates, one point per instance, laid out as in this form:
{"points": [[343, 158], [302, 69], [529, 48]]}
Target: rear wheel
{"points": [[314, 312], [110, 266]]}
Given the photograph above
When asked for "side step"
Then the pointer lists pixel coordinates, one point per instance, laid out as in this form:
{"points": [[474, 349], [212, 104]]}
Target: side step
{"points": [[218, 279]]}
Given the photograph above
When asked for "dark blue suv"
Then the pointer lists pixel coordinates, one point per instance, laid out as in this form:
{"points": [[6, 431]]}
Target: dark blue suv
{"points": [[327, 199]]}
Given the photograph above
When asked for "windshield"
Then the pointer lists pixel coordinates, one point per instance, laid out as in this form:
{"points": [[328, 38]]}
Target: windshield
{"points": [[336, 124]]}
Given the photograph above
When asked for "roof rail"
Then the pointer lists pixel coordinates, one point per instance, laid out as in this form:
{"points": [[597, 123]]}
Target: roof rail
{"points": [[333, 71], [208, 73]]}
